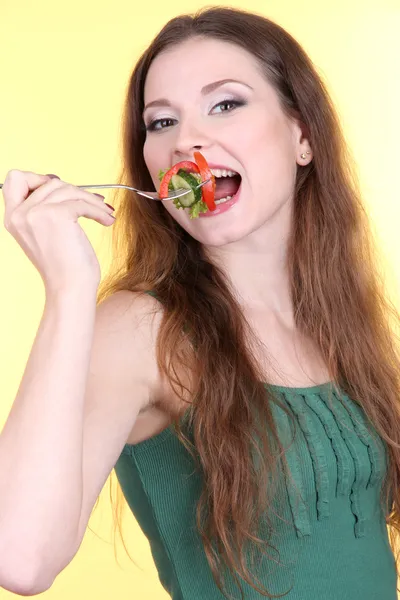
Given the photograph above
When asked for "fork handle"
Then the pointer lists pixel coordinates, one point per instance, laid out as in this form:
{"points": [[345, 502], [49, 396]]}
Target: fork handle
{"points": [[107, 185]]}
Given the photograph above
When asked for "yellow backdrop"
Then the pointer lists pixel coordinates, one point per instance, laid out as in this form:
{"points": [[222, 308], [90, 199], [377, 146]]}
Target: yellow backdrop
{"points": [[64, 70]]}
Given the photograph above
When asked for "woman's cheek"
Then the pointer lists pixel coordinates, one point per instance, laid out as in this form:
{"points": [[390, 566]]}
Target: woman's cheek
{"points": [[147, 156], [150, 159]]}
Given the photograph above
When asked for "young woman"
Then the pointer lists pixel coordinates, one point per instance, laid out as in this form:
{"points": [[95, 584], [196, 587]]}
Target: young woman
{"points": [[239, 370]]}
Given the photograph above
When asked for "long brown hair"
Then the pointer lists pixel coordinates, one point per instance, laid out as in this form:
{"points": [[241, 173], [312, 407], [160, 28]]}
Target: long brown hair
{"points": [[336, 285]]}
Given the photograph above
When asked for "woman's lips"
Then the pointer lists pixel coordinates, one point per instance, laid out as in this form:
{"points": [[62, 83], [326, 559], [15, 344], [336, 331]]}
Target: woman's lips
{"points": [[221, 208]]}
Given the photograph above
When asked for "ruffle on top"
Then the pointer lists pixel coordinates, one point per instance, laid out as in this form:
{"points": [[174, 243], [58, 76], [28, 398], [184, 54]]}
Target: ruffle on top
{"points": [[349, 433]]}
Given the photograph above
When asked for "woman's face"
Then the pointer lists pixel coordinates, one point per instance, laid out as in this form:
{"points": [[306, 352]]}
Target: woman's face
{"points": [[237, 125]]}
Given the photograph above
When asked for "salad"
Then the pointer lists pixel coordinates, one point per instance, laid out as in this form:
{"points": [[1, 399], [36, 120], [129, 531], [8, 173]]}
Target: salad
{"points": [[189, 175]]}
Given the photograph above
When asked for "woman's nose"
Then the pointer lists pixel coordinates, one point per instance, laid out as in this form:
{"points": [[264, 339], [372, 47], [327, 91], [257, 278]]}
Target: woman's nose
{"points": [[189, 139]]}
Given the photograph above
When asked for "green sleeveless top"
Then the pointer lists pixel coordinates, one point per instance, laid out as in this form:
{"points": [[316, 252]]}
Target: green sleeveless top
{"points": [[332, 546]]}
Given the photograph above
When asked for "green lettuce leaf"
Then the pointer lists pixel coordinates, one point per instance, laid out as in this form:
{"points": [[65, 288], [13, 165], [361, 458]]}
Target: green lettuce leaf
{"points": [[197, 208], [177, 203]]}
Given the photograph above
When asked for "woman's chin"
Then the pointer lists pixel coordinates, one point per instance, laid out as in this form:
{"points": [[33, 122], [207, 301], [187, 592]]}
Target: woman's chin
{"points": [[227, 231]]}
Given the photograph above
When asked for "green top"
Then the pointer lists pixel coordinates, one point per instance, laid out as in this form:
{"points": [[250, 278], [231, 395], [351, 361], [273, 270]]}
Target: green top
{"points": [[334, 546]]}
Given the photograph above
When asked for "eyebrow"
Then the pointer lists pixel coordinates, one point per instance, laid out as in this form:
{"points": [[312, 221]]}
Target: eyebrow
{"points": [[207, 89]]}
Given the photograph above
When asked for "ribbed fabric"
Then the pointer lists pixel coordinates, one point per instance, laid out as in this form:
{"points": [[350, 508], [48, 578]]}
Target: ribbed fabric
{"points": [[332, 546]]}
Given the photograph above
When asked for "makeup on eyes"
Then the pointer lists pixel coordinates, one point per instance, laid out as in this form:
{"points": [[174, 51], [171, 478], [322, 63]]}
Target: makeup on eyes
{"points": [[236, 101]]}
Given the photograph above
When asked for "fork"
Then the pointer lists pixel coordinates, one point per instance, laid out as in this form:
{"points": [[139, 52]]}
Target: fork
{"points": [[152, 195]]}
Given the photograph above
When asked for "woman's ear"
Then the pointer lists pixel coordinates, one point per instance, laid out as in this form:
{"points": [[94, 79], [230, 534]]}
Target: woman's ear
{"points": [[303, 150]]}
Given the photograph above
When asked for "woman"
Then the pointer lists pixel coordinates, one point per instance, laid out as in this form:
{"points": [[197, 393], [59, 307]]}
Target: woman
{"points": [[239, 369]]}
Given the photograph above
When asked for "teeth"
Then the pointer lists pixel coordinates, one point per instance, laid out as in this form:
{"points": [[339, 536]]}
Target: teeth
{"points": [[223, 200], [222, 173]]}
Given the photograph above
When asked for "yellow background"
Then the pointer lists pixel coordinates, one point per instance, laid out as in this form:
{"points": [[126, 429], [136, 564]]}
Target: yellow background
{"points": [[64, 69]]}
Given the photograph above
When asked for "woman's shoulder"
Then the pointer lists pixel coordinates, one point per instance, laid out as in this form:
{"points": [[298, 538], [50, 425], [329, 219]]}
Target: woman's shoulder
{"points": [[135, 319], [128, 304], [129, 322]]}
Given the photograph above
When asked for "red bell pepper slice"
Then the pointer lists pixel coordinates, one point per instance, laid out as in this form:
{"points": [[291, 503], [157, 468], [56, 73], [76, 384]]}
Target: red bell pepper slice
{"points": [[209, 188], [185, 164]]}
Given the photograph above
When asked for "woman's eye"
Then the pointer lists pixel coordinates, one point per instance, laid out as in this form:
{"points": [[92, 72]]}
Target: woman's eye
{"points": [[159, 124], [221, 107], [227, 105]]}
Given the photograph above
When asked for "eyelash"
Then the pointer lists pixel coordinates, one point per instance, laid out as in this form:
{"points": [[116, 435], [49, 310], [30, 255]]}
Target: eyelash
{"points": [[152, 126]]}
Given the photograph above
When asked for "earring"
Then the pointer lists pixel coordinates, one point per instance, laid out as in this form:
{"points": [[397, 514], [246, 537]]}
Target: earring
{"points": [[303, 155]]}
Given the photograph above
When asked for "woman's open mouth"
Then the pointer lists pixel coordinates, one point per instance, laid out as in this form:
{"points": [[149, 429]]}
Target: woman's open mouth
{"points": [[227, 185]]}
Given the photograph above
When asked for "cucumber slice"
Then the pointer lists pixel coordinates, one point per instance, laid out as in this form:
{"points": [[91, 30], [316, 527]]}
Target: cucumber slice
{"points": [[186, 180]]}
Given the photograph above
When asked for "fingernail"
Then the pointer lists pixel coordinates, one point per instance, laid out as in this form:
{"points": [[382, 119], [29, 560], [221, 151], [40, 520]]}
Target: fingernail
{"points": [[109, 206], [52, 176], [100, 196]]}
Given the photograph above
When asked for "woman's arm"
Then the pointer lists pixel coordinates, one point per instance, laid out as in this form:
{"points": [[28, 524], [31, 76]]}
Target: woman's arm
{"points": [[89, 374]]}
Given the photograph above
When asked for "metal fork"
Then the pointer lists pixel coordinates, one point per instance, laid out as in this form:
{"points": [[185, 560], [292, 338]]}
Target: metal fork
{"points": [[152, 195]]}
